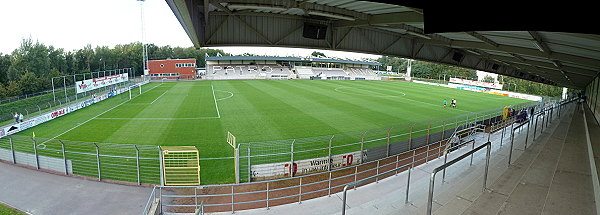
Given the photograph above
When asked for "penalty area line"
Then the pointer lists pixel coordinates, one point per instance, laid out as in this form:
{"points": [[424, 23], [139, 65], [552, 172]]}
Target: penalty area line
{"points": [[215, 99], [208, 117], [106, 111], [159, 97]]}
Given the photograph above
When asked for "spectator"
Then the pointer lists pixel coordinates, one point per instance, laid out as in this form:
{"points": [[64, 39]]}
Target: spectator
{"points": [[21, 117], [16, 117]]}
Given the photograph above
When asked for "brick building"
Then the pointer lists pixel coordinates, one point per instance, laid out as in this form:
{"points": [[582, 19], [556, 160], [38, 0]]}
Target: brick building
{"points": [[172, 69]]}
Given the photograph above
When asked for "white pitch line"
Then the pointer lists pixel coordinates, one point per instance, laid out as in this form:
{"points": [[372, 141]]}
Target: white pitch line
{"points": [[230, 95], [80, 124], [215, 98], [159, 97], [208, 117], [362, 94]]}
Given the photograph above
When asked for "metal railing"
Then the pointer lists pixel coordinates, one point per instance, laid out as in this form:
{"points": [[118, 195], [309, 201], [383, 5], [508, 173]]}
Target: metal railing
{"points": [[45, 102], [378, 143], [102, 161], [446, 149], [295, 189], [306, 187], [487, 145], [558, 107], [151, 200]]}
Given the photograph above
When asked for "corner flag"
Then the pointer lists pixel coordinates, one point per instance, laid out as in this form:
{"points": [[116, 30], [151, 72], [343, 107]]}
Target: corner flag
{"points": [[34, 134]]}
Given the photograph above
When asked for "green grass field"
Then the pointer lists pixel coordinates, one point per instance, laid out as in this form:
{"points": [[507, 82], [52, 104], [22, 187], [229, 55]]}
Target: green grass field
{"points": [[200, 113], [5, 210]]}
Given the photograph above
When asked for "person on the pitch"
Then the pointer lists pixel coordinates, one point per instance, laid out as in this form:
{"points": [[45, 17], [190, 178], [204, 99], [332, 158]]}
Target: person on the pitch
{"points": [[454, 103], [444, 103]]}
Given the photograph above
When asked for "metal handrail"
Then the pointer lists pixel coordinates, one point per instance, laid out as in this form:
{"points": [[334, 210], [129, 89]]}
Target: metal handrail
{"points": [[434, 149], [150, 199], [431, 152], [487, 145], [362, 181]]}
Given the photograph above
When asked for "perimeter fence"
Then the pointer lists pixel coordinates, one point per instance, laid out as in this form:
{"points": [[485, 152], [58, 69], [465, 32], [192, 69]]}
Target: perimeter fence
{"points": [[299, 188], [288, 158], [257, 160], [63, 93]]}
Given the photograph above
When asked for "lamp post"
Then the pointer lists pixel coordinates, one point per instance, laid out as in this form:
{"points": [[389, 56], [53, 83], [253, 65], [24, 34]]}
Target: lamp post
{"points": [[103, 63]]}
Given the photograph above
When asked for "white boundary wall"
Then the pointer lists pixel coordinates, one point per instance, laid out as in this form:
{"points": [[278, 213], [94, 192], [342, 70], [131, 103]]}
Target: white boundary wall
{"points": [[484, 90], [301, 167], [95, 83], [476, 83]]}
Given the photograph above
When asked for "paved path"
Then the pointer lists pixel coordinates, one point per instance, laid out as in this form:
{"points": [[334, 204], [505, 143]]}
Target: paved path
{"points": [[44, 193]]}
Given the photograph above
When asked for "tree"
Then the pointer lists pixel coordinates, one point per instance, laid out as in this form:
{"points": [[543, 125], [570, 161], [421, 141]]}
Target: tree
{"points": [[318, 54], [488, 79], [3, 92], [28, 83], [4, 64], [398, 64], [13, 89]]}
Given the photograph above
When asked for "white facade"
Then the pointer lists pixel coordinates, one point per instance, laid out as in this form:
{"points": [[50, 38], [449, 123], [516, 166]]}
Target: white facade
{"points": [[482, 74]]}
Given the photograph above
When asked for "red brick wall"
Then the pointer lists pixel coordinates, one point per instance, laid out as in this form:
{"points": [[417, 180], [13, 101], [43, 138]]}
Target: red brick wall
{"points": [[168, 66]]}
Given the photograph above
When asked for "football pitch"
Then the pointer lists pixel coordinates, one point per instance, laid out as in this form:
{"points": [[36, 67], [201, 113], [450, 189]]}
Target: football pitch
{"points": [[200, 113]]}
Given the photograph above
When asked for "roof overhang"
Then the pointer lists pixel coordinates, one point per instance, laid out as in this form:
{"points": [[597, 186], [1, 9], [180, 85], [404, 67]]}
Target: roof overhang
{"points": [[373, 27]]}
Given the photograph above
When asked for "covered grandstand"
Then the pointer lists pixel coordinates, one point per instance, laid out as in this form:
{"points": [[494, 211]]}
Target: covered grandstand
{"points": [[260, 67]]}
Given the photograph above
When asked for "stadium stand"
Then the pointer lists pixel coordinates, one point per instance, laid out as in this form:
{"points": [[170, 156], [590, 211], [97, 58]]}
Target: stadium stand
{"points": [[304, 72], [258, 67], [227, 71]]}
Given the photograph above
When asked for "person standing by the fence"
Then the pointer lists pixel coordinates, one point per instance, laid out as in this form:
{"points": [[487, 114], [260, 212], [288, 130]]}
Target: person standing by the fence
{"points": [[16, 117], [21, 117]]}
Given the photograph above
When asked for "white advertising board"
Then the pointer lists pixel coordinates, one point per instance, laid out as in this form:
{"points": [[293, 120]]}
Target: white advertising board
{"points": [[476, 83], [301, 167], [95, 83], [33, 121]]}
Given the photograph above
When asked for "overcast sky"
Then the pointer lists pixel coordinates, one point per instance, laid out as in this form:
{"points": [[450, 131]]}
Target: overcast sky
{"points": [[71, 24]]}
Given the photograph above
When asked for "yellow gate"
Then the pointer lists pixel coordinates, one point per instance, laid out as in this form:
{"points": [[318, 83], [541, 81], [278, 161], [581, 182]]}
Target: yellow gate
{"points": [[181, 165]]}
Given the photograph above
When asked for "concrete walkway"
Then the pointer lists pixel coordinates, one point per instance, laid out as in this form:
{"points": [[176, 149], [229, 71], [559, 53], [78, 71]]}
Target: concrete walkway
{"points": [[551, 176], [44, 193]]}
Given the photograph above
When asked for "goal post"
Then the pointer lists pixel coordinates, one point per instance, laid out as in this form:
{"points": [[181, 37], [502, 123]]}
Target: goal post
{"points": [[236, 158]]}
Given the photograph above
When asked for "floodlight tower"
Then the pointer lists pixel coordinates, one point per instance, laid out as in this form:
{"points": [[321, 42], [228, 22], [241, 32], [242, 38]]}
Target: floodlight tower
{"points": [[144, 47], [408, 70]]}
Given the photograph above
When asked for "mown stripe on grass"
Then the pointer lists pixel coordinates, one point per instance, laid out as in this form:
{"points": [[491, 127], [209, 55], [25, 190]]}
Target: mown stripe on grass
{"points": [[348, 116], [289, 118], [242, 117], [403, 111]]}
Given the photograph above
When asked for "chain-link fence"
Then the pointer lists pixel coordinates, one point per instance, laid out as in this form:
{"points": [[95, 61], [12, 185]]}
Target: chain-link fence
{"points": [[295, 189], [104, 161], [257, 160], [264, 160], [63, 93]]}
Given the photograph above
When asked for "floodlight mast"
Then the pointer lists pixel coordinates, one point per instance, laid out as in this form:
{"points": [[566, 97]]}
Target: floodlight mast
{"points": [[144, 47]]}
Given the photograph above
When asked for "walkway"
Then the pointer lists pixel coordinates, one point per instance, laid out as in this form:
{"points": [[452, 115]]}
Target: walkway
{"points": [[551, 176], [44, 193]]}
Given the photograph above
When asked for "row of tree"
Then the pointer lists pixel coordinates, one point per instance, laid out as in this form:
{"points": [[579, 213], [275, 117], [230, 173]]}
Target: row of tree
{"points": [[436, 71], [422, 69], [30, 67]]}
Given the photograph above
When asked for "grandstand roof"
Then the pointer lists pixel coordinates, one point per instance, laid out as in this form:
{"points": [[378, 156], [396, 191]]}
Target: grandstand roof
{"points": [[324, 60], [392, 29]]}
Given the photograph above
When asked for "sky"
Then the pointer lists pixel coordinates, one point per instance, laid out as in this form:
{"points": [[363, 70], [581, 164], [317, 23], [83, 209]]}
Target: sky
{"points": [[72, 24]]}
